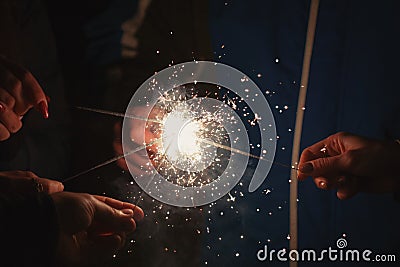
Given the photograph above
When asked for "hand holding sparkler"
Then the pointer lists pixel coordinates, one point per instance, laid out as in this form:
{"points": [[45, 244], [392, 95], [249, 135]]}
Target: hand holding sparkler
{"points": [[352, 164], [91, 227], [19, 92]]}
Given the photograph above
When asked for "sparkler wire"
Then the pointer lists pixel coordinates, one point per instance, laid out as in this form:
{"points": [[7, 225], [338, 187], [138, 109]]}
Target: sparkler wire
{"points": [[109, 161], [117, 114]]}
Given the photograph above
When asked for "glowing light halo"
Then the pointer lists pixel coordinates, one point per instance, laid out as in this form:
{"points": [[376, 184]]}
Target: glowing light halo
{"points": [[218, 74]]}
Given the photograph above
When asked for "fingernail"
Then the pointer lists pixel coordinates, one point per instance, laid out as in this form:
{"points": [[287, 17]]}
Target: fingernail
{"points": [[322, 185], [2, 108], [127, 211], [44, 109], [306, 167]]}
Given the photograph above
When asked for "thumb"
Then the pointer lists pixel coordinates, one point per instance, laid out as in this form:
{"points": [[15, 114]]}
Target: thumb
{"points": [[326, 166], [50, 186]]}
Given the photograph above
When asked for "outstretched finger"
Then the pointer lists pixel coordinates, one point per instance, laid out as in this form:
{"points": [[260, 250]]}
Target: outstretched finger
{"points": [[306, 156], [111, 220], [325, 166], [315, 151], [137, 212]]}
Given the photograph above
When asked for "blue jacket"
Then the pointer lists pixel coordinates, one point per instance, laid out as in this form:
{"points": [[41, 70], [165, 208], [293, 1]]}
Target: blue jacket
{"points": [[352, 88]]}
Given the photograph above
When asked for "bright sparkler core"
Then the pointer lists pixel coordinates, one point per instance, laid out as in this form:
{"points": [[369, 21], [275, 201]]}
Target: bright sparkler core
{"points": [[182, 136], [188, 141]]}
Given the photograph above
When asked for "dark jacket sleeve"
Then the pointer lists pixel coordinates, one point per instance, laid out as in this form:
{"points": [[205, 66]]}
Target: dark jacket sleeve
{"points": [[29, 230]]}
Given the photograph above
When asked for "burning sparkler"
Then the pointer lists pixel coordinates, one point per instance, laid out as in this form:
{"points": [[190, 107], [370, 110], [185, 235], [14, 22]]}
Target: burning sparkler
{"points": [[199, 146], [203, 147]]}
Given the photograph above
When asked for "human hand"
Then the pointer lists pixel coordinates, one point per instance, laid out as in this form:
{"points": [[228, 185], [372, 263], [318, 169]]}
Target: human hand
{"points": [[352, 164], [19, 92], [139, 161], [92, 228], [26, 182]]}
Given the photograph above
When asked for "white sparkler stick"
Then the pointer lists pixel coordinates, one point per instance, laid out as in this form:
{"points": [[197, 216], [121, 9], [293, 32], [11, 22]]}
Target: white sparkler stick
{"points": [[312, 21]]}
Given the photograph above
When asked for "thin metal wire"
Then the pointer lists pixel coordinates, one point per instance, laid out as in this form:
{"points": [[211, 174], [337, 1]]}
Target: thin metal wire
{"points": [[114, 159], [102, 164], [116, 114], [139, 197]]}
